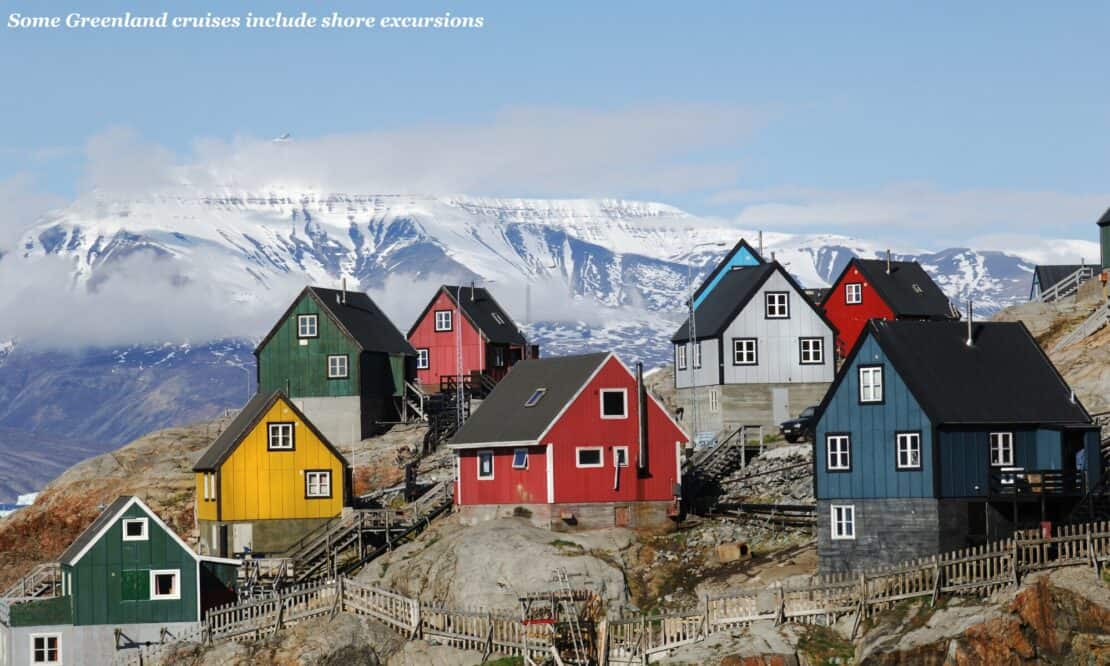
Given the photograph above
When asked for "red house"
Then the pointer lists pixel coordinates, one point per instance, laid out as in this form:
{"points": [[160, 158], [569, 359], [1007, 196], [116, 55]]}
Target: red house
{"points": [[881, 289], [466, 317], [568, 442]]}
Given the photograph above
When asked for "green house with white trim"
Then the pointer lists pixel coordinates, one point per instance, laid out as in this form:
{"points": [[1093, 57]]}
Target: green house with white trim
{"points": [[127, 581]]}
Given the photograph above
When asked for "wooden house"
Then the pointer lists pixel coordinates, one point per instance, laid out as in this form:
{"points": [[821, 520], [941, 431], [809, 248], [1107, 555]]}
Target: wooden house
{"points": [[467, 323], [881, 289], [759, 351], [268, 479], [1104, 239], [742, 255], [1046, 277], [927, 443], [341, 360], [570, 442], [126, 581]]}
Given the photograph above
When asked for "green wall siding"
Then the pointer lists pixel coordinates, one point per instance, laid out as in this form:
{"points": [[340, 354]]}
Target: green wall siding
{"points": [[1104, 241], [302, 370], [42, 612], [98, 577]]}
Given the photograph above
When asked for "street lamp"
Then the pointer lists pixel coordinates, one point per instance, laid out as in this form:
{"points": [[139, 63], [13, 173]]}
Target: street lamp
{"points": [[693, 337]]}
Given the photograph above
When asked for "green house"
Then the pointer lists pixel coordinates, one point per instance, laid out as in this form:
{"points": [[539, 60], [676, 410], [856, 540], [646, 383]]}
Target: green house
{"points": [[340, 360], [127, 580]]}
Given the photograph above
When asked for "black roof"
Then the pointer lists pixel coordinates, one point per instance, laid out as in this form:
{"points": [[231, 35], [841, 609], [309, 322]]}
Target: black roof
{"points": [[1047, 276], [483, 311], [86, 537], [244, 422], [728, 298], [503, 417], [724, 262], [1105, 219], [359, 317], [1002, 378], [907, 289]]}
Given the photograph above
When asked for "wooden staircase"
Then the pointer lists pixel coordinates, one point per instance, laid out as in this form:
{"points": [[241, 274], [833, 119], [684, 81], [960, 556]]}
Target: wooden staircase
{"points": [[1068, 285], [45, 580]]}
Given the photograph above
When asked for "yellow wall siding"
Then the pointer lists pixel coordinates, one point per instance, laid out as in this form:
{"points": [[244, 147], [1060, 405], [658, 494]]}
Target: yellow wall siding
{"points": [[205, 510], [259, 484]]}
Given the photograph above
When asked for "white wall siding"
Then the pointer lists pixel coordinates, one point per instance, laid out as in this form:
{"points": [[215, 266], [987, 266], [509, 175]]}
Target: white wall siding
{"points": [[709, 374]]}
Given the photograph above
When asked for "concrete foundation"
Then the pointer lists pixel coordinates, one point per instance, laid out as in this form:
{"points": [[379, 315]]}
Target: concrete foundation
{"points": [[574, 517], [340, 419], [87, 644], [729, 406], [268, 537]]}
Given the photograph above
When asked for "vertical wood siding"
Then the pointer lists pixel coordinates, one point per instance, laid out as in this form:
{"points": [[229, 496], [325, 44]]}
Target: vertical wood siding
{"points": [[442, 345], [302, 370], [965, 456], [508, 485], [709, 374], [850, 319]]}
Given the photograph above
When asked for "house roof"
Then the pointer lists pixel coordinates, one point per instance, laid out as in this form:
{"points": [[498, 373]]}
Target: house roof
{"points": [[1105, 219], [503, 416], [742, 245], [482, 310], [1047, 276], [731, 295], [92, 532], [244, 422], [907, 289], [359, 318], [1003, 377]]}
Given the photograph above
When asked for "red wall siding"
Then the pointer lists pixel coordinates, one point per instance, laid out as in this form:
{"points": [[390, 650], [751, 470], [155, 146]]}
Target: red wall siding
{"points": [[508, 485], [442, 345], [850, 319]]}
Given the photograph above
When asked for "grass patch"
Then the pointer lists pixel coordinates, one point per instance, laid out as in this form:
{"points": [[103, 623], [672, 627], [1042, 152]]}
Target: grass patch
{"points": [[567, 547], [824, 647], [505, 661]]}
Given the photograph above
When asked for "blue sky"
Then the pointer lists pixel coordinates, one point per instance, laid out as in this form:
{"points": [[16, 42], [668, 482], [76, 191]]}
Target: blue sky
{"points": [[943, 123]]}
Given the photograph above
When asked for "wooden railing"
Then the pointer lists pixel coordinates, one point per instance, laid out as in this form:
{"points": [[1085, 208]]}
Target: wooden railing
{"points": [[45, 580], [1068, 286], [1035, 482], [1097, 319]]}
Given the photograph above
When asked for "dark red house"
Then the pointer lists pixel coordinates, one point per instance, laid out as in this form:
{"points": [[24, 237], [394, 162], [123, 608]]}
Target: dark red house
{"points": [[573, 441], [881, 289], [490, 341]]}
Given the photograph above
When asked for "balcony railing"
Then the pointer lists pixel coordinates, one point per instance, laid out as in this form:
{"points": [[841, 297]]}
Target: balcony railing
{"points": [[1016, 482]]}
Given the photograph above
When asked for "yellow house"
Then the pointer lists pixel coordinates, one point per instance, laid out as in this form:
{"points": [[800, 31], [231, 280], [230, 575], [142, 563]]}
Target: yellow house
{"points": [[270, 478]]}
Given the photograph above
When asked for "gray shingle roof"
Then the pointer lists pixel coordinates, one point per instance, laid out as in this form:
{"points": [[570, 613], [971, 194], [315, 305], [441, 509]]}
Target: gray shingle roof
{"points": [[483, 311], [907, 289], [502, 417], [362, 318]]}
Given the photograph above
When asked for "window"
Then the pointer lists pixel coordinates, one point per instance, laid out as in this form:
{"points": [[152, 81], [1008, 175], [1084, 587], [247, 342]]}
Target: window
{"points": [[812, 350], [535, 397], [620, 456], [614, 403], [593, 456], [838, 449], [853, 293], [909, 450], [714, 400], [134, 529], [337, 366], [777, 305], [443, 320], [1002, 449], [422, 359], [46, 648], [165, 584], [306, 326], [520, 458], [680, 356], [871, 383], [498, 357], [281, 437], [697, 355], [209, 486], [498, 318], [745, 351], [485, 464], [843, 521], [317, 483]]}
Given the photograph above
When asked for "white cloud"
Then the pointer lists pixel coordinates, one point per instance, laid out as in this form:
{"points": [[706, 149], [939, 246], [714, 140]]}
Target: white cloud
{"points": [[23, 203]]}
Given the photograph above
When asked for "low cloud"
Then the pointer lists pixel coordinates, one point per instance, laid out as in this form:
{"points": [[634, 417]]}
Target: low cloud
{"points": [[23, 203]]}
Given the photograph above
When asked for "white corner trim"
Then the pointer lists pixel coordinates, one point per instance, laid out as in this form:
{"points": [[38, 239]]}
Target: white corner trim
{"points": [[550, 456]]}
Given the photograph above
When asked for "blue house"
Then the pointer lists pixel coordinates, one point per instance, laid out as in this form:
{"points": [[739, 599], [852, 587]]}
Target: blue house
{"points": [[937, 435]]}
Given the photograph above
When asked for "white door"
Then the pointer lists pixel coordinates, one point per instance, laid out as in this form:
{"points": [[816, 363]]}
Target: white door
{"points": [[780, 404], [241, 537]]}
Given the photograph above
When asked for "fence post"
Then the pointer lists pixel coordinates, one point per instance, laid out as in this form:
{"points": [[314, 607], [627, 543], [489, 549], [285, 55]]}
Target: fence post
{"points": [[417, 620], [1014, 560]]}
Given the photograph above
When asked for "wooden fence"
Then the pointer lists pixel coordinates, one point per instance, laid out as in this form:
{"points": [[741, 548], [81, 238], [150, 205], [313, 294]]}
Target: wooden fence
{"points": [[824, 599]]}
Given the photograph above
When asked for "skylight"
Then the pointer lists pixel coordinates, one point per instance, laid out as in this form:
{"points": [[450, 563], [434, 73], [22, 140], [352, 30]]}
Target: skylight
{"points": [[497, 318], [535, 397]]}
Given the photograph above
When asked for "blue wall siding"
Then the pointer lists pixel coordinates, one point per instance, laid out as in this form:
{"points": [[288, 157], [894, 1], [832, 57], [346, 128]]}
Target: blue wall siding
{"points": [[872, 429], [1094, 458], [965, 457], [741, 258]]}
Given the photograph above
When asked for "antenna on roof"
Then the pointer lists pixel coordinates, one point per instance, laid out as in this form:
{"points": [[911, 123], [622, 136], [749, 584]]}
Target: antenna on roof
{"points": [[969, 313], [344, 300], [1073, 396], [472, 290], [772, 256], [760, 244], [888, 262]]}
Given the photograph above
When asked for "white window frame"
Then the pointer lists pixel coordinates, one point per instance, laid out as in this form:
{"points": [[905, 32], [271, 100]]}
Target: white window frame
{"points": [[816, 351], [446, 323], [321, 475], [833, 458], [58, 641], [423, 359], [876, 388], [302, 323], [498, 357], [600, 457], [680, 356], [909, 443], [145, 536], [601, 401], [270, 429], [620, 453], [775, 309], [853, 296], [847, 518], [1004, 443], [210, 486], [740, 351], [517, 452], [485, 453], [697, 355], [536, 396], [346, 366], [714, 400], [176, 594]]}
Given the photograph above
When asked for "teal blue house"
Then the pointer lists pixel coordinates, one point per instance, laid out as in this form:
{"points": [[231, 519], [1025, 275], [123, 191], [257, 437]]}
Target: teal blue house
{"points": [[937, 435]]}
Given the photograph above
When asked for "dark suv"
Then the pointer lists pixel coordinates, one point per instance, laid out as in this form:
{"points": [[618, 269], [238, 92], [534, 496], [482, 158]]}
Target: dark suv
{"points": [[800, 428]]}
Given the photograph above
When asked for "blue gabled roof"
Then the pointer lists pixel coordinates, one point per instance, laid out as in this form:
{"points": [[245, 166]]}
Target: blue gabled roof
{"points": [[741, 255]]}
